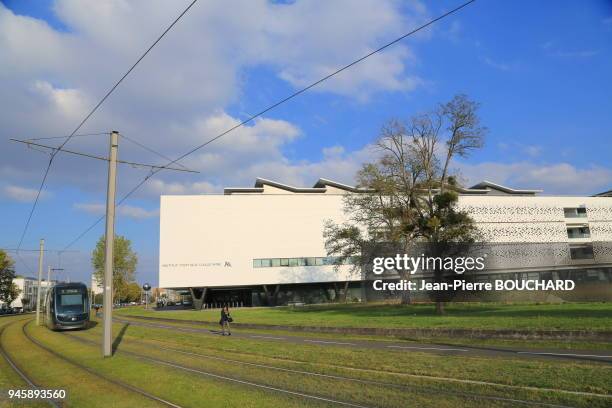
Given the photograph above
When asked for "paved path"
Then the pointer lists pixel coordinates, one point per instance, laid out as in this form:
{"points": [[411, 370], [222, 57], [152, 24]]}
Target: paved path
{"points": [[603, 356]]}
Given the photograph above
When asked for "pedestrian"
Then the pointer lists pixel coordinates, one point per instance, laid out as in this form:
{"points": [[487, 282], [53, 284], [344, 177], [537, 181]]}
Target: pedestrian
{"points": [[225, 321]]}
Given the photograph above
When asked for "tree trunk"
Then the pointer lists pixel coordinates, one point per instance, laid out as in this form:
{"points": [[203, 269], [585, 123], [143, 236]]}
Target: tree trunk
{"points": [[439, 307], [346, 284], [336, 292], [326, 293], [406, 298]]}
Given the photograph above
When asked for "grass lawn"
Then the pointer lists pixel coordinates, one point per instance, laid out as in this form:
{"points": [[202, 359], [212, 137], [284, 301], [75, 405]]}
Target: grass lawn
{"points": [[9, 379], [573, 345], [565, 316], [413, 369], [371, 378]]}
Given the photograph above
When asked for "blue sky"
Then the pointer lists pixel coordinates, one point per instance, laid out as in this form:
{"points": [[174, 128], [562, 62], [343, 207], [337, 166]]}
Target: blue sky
{"points": [[541, 71]]}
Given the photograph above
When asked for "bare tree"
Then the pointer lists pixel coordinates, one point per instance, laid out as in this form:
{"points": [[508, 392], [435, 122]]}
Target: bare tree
{"points": [[407, 196]]}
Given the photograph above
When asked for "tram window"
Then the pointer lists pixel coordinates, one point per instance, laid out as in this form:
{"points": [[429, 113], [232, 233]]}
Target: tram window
{"points": [[72, 302]]}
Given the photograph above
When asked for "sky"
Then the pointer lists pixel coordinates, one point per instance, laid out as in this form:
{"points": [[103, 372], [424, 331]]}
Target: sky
{"points": [[540, 71]]}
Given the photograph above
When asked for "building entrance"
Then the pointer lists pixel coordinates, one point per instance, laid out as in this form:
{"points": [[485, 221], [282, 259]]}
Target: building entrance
{"points": [[233, 297]]}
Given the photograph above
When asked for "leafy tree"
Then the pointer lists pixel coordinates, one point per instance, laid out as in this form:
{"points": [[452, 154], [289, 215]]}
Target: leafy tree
{"points": [[8, 290], [124, 267], [133, 292], [408, 196], [25, 302]]}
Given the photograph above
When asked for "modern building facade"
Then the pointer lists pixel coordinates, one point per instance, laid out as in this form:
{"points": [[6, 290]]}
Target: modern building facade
{"points": [[28, 289], [264, 244]]}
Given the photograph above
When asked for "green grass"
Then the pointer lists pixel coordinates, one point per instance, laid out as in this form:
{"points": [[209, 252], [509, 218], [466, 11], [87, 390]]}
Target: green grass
{"points": [[565, 316], [184, 389], [51, 372], [412, 378], [548, 344], [412, 369], [9, 379]]}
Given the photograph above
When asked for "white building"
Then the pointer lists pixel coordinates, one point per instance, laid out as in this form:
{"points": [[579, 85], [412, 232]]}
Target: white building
{"points": [[27, 292], [96, 287], [249, 245]]}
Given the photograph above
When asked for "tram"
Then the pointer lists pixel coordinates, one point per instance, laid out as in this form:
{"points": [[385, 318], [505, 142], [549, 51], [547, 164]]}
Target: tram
{"points": [[67, 306]]}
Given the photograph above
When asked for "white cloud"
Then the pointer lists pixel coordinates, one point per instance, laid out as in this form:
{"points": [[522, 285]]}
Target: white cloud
{"points": [[333, 151], [125, 210], [69, 103], [502, 66], [554, 178], [22, 194], [532, 150], [575, 54], [158, 187], [176, 98]]}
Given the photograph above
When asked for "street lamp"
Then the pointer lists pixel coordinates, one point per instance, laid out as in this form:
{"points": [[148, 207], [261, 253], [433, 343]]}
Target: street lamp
{"points": [[146, 287]]}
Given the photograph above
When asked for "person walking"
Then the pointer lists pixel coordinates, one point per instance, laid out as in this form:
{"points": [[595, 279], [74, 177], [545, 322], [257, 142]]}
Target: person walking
{"points": [[226, 319]]}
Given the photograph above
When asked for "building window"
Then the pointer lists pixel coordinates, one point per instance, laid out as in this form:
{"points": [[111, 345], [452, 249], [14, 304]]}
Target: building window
{"points": [[304, 261], [581, 252], [575, 212], [578, 232], [328, 260]]}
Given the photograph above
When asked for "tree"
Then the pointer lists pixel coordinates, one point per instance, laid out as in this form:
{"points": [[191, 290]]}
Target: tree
{"points": [[124, 267], [133, 292], [8, 290], [25, 302], [408, 196]]}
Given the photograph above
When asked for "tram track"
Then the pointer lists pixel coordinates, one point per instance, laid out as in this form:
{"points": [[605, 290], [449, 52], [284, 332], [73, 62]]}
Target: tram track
{"points": [[469, 395], [20, 372], [224, 377], [114, 381], [419, 376]]}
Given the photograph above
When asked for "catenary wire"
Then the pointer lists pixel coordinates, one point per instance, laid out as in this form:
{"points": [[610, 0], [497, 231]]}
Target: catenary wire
{"points": [[67, 136], [147, 148], [91, 156], [89, 115], [269, 108]]}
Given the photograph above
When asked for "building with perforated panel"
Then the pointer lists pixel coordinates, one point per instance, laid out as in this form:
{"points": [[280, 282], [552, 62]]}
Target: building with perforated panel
{"points": [[264, 244]]}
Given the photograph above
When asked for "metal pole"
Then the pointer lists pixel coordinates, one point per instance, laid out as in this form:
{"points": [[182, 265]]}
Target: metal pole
{"points": [[109, 242], [40, 268], [48, 275]]}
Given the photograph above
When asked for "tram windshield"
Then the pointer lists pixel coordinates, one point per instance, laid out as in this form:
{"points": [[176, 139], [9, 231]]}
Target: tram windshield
{"points": [[71, 300]]}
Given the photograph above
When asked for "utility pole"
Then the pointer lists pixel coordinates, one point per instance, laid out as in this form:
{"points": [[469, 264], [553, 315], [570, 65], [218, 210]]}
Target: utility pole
{"points": [[109, 242], [53, 270], [48, 275], [40, 268]]}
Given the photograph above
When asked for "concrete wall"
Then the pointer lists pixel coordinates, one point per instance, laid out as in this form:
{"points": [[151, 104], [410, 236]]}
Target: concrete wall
{"points": [[211, 240]]}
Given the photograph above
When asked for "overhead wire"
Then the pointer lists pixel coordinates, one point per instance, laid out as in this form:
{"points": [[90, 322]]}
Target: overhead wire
{"points": [[89, 115], [67, 136], [145, 147], [271, 107], [92, 156]]}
